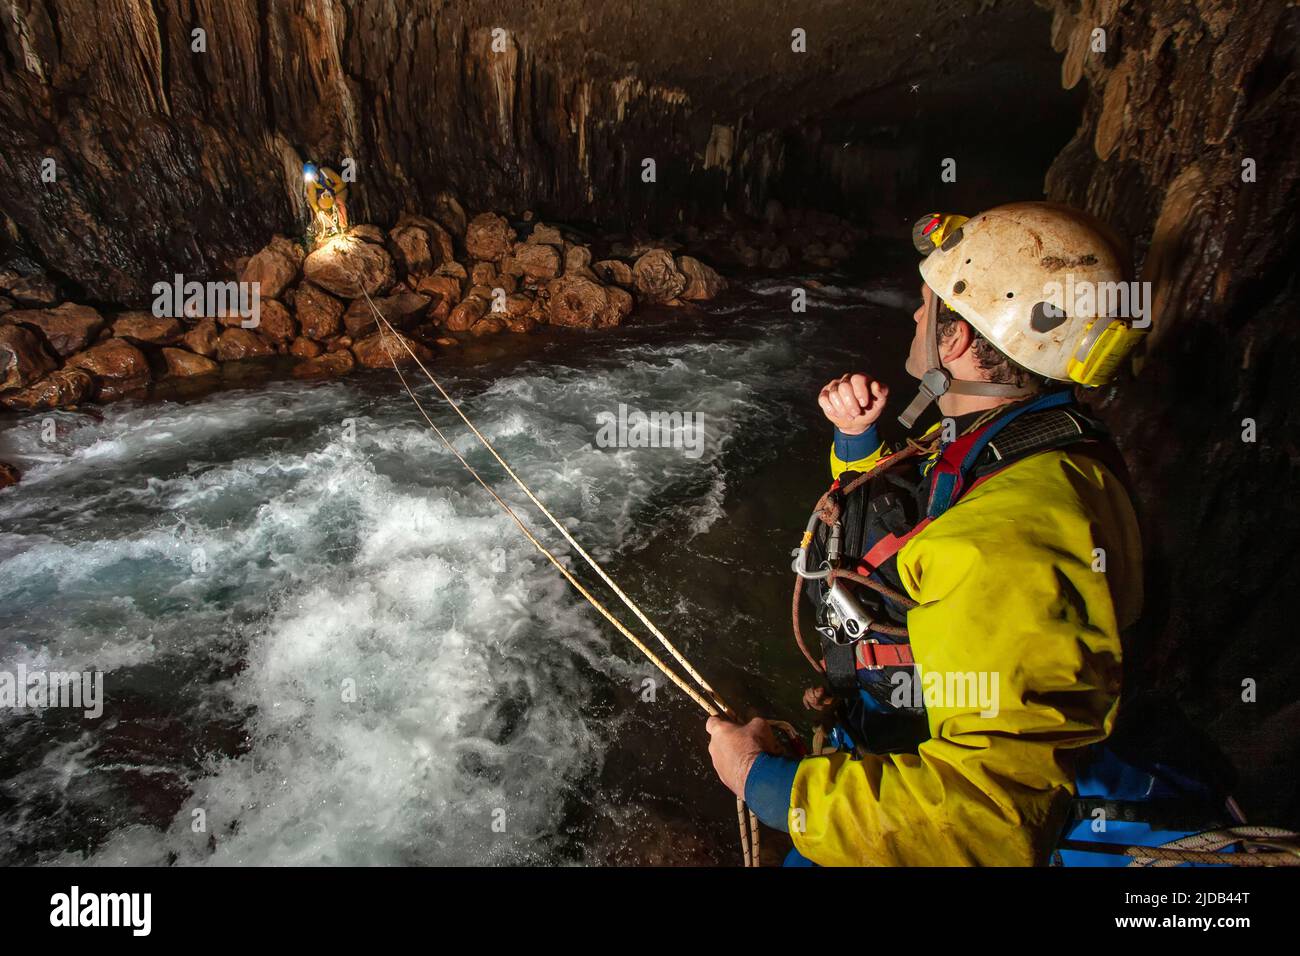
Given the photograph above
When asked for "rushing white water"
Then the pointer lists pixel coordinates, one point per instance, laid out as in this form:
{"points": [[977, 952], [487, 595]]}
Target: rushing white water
{"points": [[320, 639]]}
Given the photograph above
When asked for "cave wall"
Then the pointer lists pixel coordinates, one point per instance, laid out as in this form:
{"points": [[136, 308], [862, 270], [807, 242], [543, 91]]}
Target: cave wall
{"points": [[172, 160], [1185, 91]]}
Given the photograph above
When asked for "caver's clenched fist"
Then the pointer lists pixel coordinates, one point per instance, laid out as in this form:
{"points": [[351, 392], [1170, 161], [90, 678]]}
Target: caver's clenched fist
{"points": [[853, 403]]}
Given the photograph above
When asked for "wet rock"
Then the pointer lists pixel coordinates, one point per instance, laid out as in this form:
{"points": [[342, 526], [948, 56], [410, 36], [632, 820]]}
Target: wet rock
{"points": [[520, 324], [483, 273], [113, 359], [702, 282], [9, 475], [383, 348], [6, 304], [518, 305], [577, 258], [464, 315], [319, 314], [441, 286], [489, 237], [613, 271], [339, 343], [656, 277], [620, 301], [366, 232], [60, 389], [547, 235], [453, 268], [575, 302], [402, 311], [68, 328], [185, 364], [537, 262], [144, 328], [492, 325], [329, 365], [34, 290], [275, 322], [236, 344], [414, 250], [349, 268], [303, 347], [446, 341], [274, 267], [202, 339]]}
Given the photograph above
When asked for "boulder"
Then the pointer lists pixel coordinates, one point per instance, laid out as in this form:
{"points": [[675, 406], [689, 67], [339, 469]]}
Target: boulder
{"points": [[575, 302], [340, 343], [348, 268], [702, 282], [492, 325], [302, 347], [35, 290], [537, 262], [329, 365], [184, 364], [366, 232], [483, 273], [453, 268], [59, 389], [489, 237], [656, 277], [576, 258], [236, 344], [402, 311], [273, 268], [68, 328], [6, 304], [145, 328], [383, 348], [414, 250], [441, 286], [518, 305], [115, 359], [468, 312], [613, 271], [275, 322], [202, 339], [547, 235], [440, 244], [319, 314]]}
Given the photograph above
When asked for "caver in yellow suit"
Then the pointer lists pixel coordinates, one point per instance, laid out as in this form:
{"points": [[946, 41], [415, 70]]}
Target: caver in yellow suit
{"points": [[978, 654]]}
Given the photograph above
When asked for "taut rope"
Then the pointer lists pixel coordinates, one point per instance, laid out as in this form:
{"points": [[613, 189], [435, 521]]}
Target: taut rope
{"points": [[706, 697]]}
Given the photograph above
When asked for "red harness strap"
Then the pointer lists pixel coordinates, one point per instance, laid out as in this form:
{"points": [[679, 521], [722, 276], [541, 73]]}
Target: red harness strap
{"points": [[872, 655]]}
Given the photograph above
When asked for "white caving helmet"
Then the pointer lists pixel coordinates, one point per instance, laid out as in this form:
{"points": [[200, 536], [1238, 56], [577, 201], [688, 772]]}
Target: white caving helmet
{"points": [[1039, 281]]}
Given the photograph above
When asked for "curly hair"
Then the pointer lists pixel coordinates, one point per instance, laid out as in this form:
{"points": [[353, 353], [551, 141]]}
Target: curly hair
{"points": [[995, 366]]}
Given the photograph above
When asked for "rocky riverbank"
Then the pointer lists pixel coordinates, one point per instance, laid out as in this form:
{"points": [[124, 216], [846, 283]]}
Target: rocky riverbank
{"points": [[437, 279]]}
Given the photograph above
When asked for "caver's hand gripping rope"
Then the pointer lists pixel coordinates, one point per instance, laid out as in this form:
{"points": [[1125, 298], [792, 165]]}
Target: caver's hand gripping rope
{"points": [[706, 697]]}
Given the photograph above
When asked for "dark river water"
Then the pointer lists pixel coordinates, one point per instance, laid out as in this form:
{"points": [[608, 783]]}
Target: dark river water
{"points": [[322, 643]]}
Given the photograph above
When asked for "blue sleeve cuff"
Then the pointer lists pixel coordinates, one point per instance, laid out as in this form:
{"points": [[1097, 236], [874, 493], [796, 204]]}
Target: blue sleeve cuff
{"points": [[855, 447], [767, 790]]}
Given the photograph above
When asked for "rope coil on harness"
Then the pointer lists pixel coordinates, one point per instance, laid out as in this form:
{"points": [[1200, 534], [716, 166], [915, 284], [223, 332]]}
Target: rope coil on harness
{"points": [[705, 697]]}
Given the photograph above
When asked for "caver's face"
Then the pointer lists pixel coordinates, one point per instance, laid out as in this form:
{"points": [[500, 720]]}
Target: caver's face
{"points": [[916, 357]]}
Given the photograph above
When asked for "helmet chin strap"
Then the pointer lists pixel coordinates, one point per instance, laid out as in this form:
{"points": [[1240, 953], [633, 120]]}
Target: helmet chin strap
{"points": [[937, 380]]}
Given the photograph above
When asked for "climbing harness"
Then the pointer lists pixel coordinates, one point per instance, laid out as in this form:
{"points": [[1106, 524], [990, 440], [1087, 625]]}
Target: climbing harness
{"points": [[702, 693]]}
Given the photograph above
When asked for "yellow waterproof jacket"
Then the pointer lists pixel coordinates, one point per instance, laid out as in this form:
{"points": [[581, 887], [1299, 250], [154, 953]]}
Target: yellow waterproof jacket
{"points": [[1029, 578]]}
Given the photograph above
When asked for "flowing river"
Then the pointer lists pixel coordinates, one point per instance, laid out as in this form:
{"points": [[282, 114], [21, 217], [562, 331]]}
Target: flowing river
{"points": [[322, 643]]}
